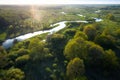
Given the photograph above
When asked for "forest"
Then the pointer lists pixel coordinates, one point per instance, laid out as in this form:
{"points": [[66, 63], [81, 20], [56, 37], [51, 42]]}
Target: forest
{"points": [[80, 51]]}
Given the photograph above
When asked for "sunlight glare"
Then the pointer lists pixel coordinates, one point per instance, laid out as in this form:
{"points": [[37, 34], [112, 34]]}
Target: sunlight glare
{"points": [[42, 2], [36, 14], [35, 2]]}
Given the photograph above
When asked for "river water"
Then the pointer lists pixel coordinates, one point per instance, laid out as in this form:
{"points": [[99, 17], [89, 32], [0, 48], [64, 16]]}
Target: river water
{"points": [[9, 42]]}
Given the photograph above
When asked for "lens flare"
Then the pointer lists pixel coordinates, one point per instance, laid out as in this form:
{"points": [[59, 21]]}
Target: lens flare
{"points": [[35, 14]]}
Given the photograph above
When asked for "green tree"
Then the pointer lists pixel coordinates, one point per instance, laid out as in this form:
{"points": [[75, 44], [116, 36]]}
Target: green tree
{"points": [[14, 74], [81, 34], [106, 41], [95, 54], [110, 16], [69, 33], [111, 65], [117, 33], [110, 59], [76, 48], [15, 54], [37, 50], [4, 61], [75, 68], [2, 50], [57, 43], [10, 29], [22, 52], [90, 31], [3, 23], [22, 60]]}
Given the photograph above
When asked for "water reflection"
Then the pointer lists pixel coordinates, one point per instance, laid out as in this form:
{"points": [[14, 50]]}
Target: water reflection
{"points": [[9, 42]]}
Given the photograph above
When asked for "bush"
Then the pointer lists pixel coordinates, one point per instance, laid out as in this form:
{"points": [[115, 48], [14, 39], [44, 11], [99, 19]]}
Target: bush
{"points": [[15, 54], [54, 65], [57, 43], [110, 59], [81, 34], [69, 33], [117, 33], [95, 54], [75, 68], [110, 16], [20, 61], [90, 31], [37, 50], [48, 70], [14, 74], [106, 41], [22, 52], [76, 48], [111, 65]]}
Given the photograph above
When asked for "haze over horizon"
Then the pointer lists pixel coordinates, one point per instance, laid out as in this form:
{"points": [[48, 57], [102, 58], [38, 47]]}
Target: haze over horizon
{"points": [[37, 2]]}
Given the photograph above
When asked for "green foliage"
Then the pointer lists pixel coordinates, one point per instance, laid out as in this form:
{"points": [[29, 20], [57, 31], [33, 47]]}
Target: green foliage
{"points": [[2, 50], [80, 59], [90, 31], [76, 48], [72, 24], [69, 33], [14, 74], [75, 68], [110, 64], [37, 50], [54, 65], [95, 54], [34, 43], [21, 45], [106, 41], [53, 77], [81, 34], [22, 51], [24, 21], [10, 29], [81, 78], [110, 59], [117, 32], [20, 61], [57, 43], [110, 16], [14, 54], [4, 61], [3, 23], [2, 36], [48, 70]]}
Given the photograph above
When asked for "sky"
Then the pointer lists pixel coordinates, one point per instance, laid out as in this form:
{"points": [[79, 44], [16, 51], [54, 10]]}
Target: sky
{"points": [[23, 2]]}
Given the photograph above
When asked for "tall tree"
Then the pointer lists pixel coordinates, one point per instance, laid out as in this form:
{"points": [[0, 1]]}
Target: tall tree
{"points": [[75, 68]]}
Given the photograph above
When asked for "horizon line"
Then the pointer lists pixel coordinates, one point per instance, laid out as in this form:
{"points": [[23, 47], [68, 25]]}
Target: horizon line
{"points": [[67, 4]]}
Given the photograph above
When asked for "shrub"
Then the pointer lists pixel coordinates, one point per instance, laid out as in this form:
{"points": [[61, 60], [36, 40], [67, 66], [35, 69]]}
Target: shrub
{"points": [[14, 74], [75, 68]]}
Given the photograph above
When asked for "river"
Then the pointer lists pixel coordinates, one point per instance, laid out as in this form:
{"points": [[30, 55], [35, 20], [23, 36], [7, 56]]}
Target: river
{"points": [[9, 42]]}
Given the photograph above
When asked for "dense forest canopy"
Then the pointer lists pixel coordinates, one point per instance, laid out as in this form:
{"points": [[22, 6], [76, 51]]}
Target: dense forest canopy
{"points": [[80, 51]]}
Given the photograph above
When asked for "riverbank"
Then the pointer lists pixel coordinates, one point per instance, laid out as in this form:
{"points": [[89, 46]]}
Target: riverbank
{"points": [[60, 25]]}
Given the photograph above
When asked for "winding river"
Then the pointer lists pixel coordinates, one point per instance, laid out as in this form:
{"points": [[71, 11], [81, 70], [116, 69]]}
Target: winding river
{"points": [[9, 42]]}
